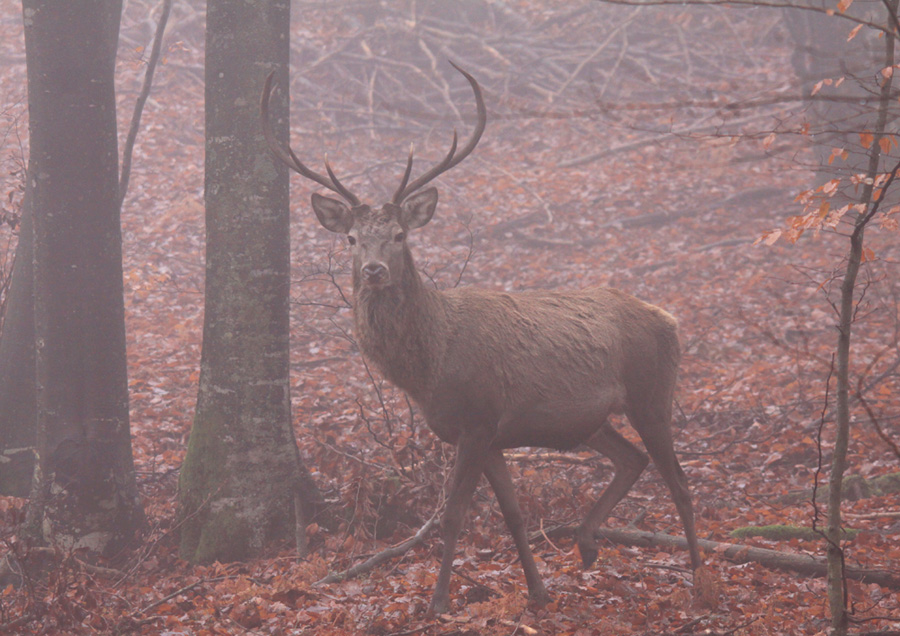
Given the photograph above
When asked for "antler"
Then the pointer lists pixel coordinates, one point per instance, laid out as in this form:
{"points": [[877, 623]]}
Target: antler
{"points": [[290, 159], [451, 159]]}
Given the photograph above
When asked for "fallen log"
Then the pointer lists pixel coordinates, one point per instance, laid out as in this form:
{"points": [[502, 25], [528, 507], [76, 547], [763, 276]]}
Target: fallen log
{"points": [[736, 553]]}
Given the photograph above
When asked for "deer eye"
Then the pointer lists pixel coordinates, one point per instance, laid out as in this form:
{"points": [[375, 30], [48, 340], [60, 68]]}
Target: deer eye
{"points": [[398, 237], [351, 239]]}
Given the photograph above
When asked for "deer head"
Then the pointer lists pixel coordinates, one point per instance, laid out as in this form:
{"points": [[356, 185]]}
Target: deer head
{"points": [[377, 238]]}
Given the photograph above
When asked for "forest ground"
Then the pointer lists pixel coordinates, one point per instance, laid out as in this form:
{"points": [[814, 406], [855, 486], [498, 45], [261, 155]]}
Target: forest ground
{"points": [[672, 222]]}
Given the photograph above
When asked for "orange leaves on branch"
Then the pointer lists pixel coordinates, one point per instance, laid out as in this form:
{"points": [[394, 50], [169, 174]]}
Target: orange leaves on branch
{"points": [[818, 211], [826, 82], [865, 139], [886, 142], [837, 152], [888, 220], [829, 187]]}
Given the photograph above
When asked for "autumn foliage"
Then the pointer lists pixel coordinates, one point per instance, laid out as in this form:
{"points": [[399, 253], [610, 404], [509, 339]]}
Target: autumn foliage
{"points": [[668, 217]]}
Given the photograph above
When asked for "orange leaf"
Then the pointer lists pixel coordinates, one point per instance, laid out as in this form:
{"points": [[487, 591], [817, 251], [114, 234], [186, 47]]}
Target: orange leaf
{"points": [[854, 32], [866, 138], [867, 255], [843, 5], [768, 237]]}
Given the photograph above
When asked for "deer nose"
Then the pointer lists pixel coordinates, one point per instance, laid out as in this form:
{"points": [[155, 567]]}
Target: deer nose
{"points": [[375, 272]]}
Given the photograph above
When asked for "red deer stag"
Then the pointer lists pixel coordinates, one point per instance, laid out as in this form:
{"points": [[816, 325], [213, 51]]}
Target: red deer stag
{"points": [[493, 370]]}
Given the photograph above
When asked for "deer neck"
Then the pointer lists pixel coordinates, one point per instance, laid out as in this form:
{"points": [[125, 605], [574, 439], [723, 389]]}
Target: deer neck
{"points": [[399, 328]]}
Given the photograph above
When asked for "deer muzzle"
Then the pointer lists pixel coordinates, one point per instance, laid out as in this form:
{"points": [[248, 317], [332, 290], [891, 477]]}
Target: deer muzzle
{"points": [[376, 274]]}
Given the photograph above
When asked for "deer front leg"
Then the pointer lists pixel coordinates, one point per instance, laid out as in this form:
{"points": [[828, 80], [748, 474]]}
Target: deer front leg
{"points": [[471, 452], [498, 475]]}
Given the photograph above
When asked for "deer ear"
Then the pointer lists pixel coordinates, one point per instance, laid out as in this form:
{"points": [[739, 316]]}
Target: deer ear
{"points": [[418, 209], [334, 215]]}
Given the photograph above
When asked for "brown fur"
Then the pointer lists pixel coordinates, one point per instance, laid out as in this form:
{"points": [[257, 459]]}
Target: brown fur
{"points": [[493, 370]]}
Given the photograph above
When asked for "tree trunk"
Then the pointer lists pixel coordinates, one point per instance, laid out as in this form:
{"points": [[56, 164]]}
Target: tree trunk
{"points": [[242, 473], [84, 493], [17, 391], [837, 589]]}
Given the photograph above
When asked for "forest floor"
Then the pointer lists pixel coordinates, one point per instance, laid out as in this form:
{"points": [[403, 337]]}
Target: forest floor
{"points": [[673, 222]]}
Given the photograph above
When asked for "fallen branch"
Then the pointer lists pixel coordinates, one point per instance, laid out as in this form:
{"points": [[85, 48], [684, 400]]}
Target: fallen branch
{"points": [[385, 555], [854, 488], [736, 553]]}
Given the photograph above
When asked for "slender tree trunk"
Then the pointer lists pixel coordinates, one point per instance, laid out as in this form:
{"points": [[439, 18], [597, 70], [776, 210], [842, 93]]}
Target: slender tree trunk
{"points": [[84, 492], [837, 591], [242, 473]]}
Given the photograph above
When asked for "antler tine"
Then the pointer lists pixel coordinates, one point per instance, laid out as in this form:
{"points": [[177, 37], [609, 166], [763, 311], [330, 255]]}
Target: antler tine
{"points": [[339, 187], [289, 158], [436, 169], [482, 117], [409, 163], [452, 159]]}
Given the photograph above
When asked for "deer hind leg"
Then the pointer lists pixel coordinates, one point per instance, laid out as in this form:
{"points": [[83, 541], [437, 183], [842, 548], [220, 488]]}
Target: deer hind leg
{"points": [[653, 426], [471, 452], [498, 475], [629, 463]]}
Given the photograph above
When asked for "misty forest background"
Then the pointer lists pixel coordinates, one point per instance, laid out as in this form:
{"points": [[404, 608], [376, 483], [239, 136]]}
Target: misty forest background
{"points": [[667, 151]]}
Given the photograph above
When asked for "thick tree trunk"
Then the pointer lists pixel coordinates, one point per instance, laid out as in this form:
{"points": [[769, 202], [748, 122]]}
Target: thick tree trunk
{"points": [[17, 391], [84, 493], [242, 472]]}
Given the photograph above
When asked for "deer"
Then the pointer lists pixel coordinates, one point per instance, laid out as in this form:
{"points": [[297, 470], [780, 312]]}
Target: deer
{"points": [[492, 370]]}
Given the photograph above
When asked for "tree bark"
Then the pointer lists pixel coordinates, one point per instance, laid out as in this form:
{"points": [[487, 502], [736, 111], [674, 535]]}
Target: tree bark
{"points": [[242, 471], [18, 411], [84, 492]]}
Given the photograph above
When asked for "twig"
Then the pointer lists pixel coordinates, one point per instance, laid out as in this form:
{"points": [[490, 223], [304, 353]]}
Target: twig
{"points": [[385, 555], [169, 597], [141, 100], [596, 52], [547, 539]]}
